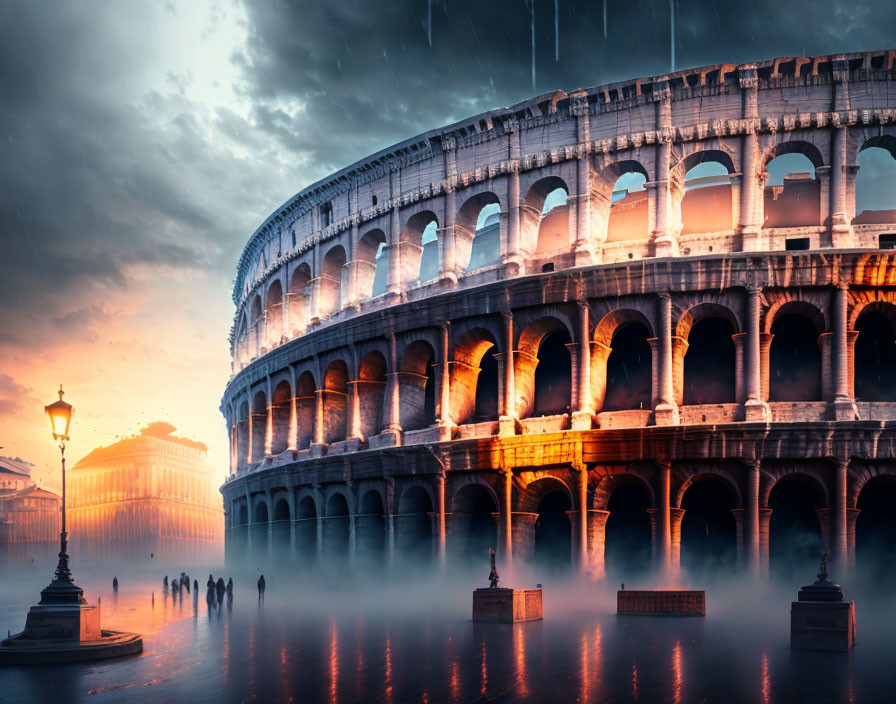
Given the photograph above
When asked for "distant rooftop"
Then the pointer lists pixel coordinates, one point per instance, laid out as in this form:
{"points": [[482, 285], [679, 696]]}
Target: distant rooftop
{"points": [[137, 443], [15, 465]]}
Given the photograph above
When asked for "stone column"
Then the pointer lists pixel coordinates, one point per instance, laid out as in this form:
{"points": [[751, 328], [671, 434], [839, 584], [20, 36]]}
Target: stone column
{"points": [[293, 436], [750, 224], [738, 514], [852, 515], [740, 387], [505, 539], [597, 527], [447, 245], [755, 409], [583, 417], [354, 411], [765, 515], [675, 516], [840, 219], [664, 520], [249, 458], [851, 337], [269, 431], [751, 521], [441, 529], [838, 526], [583, 250], [511, 259], [666, 411], [393, 392], [393, 288], [582, 527], [507, 422], [523, 536], [664, 238], [765, 344], [390, 524], [444, 421], [844, 406]]}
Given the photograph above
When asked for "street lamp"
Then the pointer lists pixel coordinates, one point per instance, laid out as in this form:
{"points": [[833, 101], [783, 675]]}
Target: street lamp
{"points": [[62, 590]]}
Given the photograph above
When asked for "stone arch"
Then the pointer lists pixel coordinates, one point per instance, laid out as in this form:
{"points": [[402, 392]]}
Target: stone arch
{"points": [[474, 385], [558, 378], [413, 521], [608, 483], [875, 182], [476, 240], [622, 216], [814, 483], [796, 202], [473, 527], [621, 361], [370, 528], [627, 536], [372, 264], [337, 528], [417, 259], [549, 540], [259, 424], [529, 495], [708, 530], [706, 202], [298, 298], [256, 325], [281, 409], [795, 536], [371, 392], [273, 314], [874, 355], [335, 391], [875, 531], [709, 473], [306, 410], [242, 339], [242, 434], [795, 366], [418, 386], [544, 232], [708, 359], [331, 288]]}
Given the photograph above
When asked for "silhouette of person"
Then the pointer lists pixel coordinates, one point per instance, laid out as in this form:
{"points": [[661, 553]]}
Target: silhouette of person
{"points": [[219, 589], [261, 587], [115, 584], [230, 587], [165, 582]]}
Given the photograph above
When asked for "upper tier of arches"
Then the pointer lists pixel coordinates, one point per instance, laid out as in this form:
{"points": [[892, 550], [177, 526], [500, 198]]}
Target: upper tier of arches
{"points": [[712, 161]]}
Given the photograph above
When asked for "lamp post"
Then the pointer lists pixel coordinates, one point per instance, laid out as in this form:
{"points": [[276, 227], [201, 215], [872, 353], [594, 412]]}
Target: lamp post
{"points": [[62, 590]]}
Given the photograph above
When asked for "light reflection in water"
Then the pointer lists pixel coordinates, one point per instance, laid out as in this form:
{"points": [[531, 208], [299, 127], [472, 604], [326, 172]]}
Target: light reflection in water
{"points": [[519, 649], [388, 656], [676, 672], [453, 669], [586, 670], [334, 663], [634, 680], [483, 667], [766, 681]]}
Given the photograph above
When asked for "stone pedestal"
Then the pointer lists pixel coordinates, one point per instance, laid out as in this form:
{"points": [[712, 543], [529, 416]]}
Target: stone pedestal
{"points": [[76, 622], [506, 605], [823, 625], [667, 602]]}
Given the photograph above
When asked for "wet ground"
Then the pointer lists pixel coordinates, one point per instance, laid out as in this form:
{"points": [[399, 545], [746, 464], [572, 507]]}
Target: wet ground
{"points": [[345, 641]]}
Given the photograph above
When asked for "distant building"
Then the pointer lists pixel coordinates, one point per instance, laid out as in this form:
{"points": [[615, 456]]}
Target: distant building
{"points": [[29, 516], [148, 495]]}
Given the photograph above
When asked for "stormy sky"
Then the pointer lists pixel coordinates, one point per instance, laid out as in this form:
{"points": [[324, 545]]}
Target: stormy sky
{"points": [[142, 142]]}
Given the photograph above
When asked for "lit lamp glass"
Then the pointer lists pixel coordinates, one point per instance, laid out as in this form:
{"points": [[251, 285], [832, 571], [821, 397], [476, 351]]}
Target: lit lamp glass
{"points": [[60, 415]]}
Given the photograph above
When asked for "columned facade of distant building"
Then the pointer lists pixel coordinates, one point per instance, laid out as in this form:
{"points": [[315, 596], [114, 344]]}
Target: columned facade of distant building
{"points": [[29, 516]]}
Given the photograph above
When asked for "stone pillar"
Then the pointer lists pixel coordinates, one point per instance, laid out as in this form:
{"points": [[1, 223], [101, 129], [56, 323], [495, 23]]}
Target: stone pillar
{"points": [[740, 387], [664, 238], [755, 409], [664, 520], [751, 521], [441, 528], [444, 419], [765, 344], [666, 410], [523, 536], [844, 406], [738, 514], [583, 416], [393, 288], [675, 516], [390, 524], [269, 429], [318, 442], [582, 518], [750, 220], [841, 226], [596, 541], [511, 258], [851, 337], [393, 392], [354, 411], [505, 539], [447, 245], [852, 515], [765, 515], [583, 250], [838, 526], [507, 422], [293, 436], [249, 458]]}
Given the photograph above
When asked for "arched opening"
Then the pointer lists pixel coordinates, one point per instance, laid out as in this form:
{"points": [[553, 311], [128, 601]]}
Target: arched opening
{"points": [[420, 248], [371, 392], [709, 362], [370, 527], [875, 354], [706, 203], [474, 524], [256, 326], [794, 542], [373, 268], [306, 402], [273, 313], [876, 182], [306, 529], [298, 298], [553, 533], [478, 232], [628, 532], [794, 359], [628, 202], [331, 281], [792, 193], [544, 226], [259, 425], [474, 378], [242, 340], [281, 410], [259, 533], [629, 372], [335, 401], [708, 533], [414, 526], [876, 530], [281, 530], [337, 531], [418, 386], [553, 375], [241, 532], [242, 435], [486, 407]]}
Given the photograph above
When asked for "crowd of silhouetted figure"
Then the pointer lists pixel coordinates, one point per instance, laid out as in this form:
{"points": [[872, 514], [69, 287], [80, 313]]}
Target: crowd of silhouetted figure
{"points": [[215, 594]]}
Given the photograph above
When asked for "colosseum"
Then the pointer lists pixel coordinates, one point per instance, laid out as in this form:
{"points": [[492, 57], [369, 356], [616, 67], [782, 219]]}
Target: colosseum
{"points": [[640, 326]]}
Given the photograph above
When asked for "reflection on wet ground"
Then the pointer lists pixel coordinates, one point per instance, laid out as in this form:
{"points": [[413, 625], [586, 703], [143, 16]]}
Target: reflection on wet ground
{"points": [[415, 643]]}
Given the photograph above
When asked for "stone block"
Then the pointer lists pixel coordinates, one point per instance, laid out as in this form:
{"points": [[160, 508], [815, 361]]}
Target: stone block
{"points": [[57, 622], [821, 625], [670, 602], [507, 605]]}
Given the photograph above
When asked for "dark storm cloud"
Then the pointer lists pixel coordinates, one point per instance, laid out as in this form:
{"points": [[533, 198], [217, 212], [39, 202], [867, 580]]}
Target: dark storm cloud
{"points": [[336, 81]]}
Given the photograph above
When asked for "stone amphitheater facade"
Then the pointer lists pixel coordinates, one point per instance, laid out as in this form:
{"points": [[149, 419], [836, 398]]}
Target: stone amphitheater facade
{"points": [[752, 326]]}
